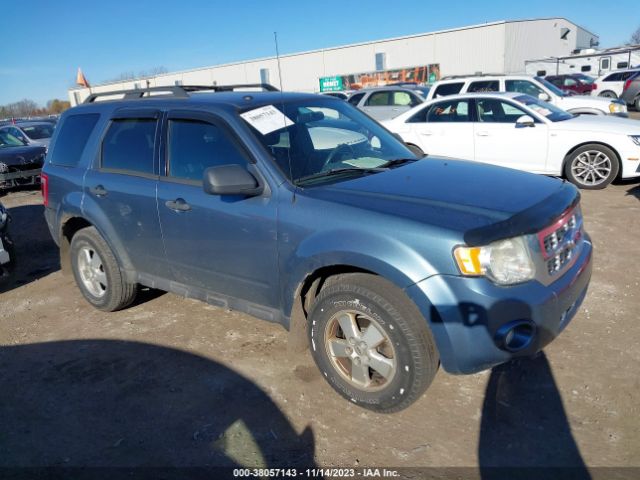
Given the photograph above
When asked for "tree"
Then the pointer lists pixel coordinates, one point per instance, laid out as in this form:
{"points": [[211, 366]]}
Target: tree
{"points": [[635, 37], [56, 106]]}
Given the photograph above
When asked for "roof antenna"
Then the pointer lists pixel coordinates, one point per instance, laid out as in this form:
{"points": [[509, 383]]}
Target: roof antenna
{"points": [[275, 39]]}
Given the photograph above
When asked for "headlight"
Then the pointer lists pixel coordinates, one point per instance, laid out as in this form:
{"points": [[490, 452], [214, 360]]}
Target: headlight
{"points": [[617, 107], [505, 262], [635, 139]]}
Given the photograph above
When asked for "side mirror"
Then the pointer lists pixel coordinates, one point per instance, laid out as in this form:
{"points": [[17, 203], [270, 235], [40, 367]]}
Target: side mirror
{"points": [[230, 180], [525, 121], [544, 97]]}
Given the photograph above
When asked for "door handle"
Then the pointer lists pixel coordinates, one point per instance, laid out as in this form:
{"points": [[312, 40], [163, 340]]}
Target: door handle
{"points": [[482, 134], [427, 133], [99, 191], [178, 205]]}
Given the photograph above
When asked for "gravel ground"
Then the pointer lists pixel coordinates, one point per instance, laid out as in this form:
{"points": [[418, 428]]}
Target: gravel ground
{"points": [[173, 382]]}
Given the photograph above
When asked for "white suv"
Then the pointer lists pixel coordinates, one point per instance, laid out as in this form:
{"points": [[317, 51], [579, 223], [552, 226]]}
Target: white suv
{"points": [[535, 86], [611, 84]]}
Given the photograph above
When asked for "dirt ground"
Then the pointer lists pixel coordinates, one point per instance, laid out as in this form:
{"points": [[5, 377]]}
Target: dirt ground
{"points": [[173, 382]]}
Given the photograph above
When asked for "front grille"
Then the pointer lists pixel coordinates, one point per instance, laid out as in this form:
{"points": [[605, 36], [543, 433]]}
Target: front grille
{"points": [[558, 242]]}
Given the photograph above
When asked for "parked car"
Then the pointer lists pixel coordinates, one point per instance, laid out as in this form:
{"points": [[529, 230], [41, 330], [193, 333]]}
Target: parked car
{"points": [[631, 92], [576, 83], [20, 164], [31, 133], [535, 86], [383, 103], [522, 132], [611, 84], [387, 264], [7, 251]]}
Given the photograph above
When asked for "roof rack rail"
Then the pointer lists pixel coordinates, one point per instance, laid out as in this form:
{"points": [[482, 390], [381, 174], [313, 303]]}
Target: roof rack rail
{"points": [[178, 91], [453, 77]]}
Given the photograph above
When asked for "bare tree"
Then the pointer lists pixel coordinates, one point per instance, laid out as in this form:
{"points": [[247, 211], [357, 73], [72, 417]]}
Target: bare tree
{"points": [[635, 37]]}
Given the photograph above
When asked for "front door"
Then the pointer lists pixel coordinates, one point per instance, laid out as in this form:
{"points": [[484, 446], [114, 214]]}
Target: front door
{"points": [[219, 243], [500, 141]]}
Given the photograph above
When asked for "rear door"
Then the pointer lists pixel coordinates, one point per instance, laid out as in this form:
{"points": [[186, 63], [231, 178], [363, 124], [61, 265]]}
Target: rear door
{"points": [[121, 189], [500, 141], [445, 128], [219, 243], [388, 104]]}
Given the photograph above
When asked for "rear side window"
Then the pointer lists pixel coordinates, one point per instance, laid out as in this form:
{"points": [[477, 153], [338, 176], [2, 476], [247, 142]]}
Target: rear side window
{"points": [[72, 138], [449, 111], [195, 146], [614, 77], [128, 145], [447, 89], [484, 86]]}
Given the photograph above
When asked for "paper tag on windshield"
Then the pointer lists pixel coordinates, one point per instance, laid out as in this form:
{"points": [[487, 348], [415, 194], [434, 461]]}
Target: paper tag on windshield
{"points": [[266, 119]]}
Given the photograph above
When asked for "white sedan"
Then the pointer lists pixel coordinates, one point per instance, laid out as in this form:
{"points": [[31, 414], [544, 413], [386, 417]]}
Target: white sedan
{"points": [[522, 132]]}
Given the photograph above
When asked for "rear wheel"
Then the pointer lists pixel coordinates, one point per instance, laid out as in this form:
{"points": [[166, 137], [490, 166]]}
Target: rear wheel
{"points": [[592, 166], [371, 343], [608, 94], [97, 272]]}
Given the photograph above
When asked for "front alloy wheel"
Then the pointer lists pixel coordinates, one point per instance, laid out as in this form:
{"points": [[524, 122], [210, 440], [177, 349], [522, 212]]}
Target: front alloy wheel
{"points": [[592, 167]]}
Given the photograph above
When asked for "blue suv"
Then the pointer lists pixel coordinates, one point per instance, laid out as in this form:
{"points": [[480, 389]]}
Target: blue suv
{"points": [[300, 209]]}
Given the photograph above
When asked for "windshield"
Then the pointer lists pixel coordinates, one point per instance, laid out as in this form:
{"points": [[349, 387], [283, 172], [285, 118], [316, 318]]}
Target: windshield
{"points": [[39, 131], [551, 112], [323, 135], [585, 78], [552, 87], [8, 140]]}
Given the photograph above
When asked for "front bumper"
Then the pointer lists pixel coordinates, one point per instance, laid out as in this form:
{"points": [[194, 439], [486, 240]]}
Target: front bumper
{"points": [[466, 315]]}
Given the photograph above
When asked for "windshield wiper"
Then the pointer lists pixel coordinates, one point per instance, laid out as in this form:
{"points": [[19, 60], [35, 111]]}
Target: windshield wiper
{"points": [[398, 161], [339, 171]]}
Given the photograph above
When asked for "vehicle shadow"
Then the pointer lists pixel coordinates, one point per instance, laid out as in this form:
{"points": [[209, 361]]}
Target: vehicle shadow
{"points": [[524, 431], [36, 252], [635, 191], [138, 407]]}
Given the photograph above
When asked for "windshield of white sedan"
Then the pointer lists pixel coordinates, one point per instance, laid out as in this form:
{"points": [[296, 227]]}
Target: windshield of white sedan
{"points": [[544, 109], [325, 139]]}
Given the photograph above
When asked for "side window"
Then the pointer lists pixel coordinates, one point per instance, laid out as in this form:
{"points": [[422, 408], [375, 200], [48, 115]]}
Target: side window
{"points": [[570, 82], [622, 64], [378, 99], [445, 89], [195, 146], [355, 98], [624, 76], [586, 68], [128, 145], [614, 77], [72, 138], [491, 110], [484, 86], [402, 99], [450, 111], [523, 86]]}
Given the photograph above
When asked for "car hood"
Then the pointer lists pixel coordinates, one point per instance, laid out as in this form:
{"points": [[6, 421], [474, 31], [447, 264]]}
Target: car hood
{"points": [[600, 123], [482, 201], [22, 155], [575, 101]]}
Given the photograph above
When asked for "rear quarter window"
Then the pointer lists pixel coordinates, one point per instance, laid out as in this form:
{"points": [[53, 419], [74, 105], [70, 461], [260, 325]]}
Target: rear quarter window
{"points": [[72, 139], [484, 86]]}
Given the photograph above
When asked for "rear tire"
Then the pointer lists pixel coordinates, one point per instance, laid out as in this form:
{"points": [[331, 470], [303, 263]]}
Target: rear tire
{"points": [[371, 343], [608, 94], [592, 166], [97, 272]]}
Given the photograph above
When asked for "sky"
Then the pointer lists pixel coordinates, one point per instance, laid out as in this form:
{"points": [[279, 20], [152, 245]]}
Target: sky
{"points": [[43, 47]]}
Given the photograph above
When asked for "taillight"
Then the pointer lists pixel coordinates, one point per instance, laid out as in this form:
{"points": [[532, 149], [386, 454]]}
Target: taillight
{"points": [[627, 83], [44, 184]]}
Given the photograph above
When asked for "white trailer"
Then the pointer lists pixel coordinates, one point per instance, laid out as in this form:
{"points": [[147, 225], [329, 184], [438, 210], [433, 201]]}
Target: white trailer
{"points": [[590, 62]]}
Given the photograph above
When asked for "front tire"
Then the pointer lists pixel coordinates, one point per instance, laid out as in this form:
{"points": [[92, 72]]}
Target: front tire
{"points": [[97, 273], [592, 167], [371, 343]]}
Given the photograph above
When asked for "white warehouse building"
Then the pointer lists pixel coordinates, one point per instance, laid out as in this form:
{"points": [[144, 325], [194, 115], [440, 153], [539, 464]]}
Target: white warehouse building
{"points": [[496, 47]]}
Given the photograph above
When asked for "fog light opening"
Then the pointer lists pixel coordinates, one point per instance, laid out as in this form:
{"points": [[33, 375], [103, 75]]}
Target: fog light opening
{"points": [[515, 336]]}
